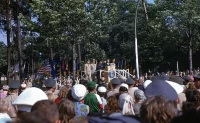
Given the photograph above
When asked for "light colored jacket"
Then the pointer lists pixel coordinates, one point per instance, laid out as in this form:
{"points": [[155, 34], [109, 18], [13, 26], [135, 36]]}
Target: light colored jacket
{"points": [[10, 99]]}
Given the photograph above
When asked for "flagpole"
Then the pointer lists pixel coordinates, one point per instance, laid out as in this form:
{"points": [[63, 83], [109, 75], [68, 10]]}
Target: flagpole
{"points": [[136, 45], [177, 68]]}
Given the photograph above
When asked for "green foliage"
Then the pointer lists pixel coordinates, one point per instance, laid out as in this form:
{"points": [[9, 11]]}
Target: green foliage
{"points": [[3, 54]]}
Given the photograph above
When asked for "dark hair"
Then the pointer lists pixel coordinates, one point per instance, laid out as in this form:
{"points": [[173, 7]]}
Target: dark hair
{"points": [[66, 111], [187, 106], [48, 109], [32, 117], [191, 116], [193, 96], [156, 110], [123, 89]]}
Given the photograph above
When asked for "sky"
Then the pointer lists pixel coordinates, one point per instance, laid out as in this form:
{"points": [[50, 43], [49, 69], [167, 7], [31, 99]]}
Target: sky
{"points": [[3, 35]]}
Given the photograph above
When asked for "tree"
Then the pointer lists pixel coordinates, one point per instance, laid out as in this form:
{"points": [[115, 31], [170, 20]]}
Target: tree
{"points": [[3, 56]]}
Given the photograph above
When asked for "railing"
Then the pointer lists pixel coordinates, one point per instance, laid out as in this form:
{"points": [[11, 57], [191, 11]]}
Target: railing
{"points": [[123, 73]]}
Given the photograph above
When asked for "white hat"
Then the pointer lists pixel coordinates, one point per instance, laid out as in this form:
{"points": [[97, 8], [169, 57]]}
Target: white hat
{"points": [[102, 89], [124, 85], [177, 87], [146, 83], [28, 98], [78, 92]]}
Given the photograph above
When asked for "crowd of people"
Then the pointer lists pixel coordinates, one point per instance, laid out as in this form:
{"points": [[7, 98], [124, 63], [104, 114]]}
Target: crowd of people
{"points": [[158, 99]]}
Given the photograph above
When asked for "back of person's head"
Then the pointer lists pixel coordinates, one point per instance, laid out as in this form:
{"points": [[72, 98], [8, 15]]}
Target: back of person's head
{"points": [[156, 110], [191, 85], [193, 96], [32, 117], [4, 106], [123, 89], [110, 88], [187, 106], [48, 109], [66, 111], [112, 104], [191, 116], [63, 92]]}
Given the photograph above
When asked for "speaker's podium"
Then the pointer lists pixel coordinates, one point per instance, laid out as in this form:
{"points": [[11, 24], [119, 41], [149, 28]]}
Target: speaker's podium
{"points": [[110, 72]]}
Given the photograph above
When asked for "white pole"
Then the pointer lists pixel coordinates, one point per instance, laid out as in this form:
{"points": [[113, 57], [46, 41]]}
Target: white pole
{"points": [[136, 45], [177, 69]]}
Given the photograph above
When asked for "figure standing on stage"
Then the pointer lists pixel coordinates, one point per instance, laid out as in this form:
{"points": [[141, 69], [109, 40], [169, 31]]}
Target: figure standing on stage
{"points": [[93, 68], [108, 62], [87, 70]]}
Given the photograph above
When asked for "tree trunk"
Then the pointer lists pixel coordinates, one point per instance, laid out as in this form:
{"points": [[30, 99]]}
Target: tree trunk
{"points": [[8, 25], [74, 62], [190, 54], [145, 9], [19, 43], [79, 54]]}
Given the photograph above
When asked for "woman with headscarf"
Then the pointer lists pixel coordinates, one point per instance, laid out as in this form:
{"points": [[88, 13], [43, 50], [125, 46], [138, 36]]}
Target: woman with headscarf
{"points": [[125, 102], [139, 99]]}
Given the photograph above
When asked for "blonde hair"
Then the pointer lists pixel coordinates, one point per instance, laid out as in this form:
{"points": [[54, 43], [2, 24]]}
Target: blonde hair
{"points": [[63, 92]]}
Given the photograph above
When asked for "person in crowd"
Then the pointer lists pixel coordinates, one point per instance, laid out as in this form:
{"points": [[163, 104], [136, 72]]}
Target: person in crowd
{"points": [[110, 88], [50, 86], [102, 93], [102, 83], [23, 87], [193, 96], [78, 93], [28, 98], [125, 104], [112, 105], [197, 82], [123, 88], [50, 96], [156, 110], [191, 86], [12, 96], [187, 79], [115, 84], [63, 93], [4, 91], [187, 106], [47, 110], [93, 100], [139, 84], [191, 116], [119, 119], [4, 108], [131, 89], [66, 111], [99, 67], [139, 99]]}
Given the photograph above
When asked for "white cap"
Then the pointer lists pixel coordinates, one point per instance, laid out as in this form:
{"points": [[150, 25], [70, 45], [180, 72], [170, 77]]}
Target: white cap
{"points": [[28, 98], [124, 85], [78, 92], [102, 89], [146, 83], [177, 87]]}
